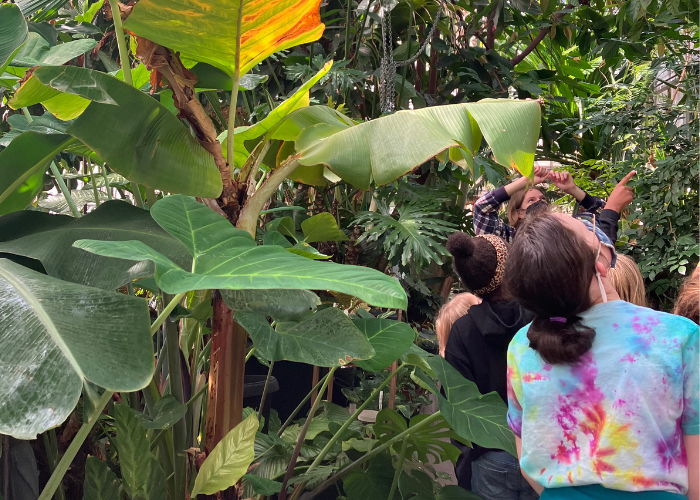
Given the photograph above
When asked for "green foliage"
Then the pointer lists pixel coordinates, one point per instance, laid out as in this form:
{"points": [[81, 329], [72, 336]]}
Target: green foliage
{"points": [[100, 482]]}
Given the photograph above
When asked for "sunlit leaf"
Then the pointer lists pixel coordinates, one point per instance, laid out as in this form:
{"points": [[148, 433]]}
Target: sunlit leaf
{"points": [[38, 52], [322, 227], [13, 33], [229, 459], [389, 338]]}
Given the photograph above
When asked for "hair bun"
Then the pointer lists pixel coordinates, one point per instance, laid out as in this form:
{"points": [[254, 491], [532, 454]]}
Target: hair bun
{"points": [[460, 245]]}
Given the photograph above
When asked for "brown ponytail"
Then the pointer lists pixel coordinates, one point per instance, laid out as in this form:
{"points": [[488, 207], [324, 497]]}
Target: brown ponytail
{"points": [[549, 271]]}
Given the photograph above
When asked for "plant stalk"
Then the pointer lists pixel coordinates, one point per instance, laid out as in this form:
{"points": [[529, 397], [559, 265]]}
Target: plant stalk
{"points": [[49, 438], [95, 192], [248, 219], [405, 68], [375, 451], [179, 430], [399, 468], [121, 42], [64, 190], [264, 394], [109, 188], [302, 434], [166, 311], [301, 405], [353, 417], [63, 466], [250, 353], [137, 195]]}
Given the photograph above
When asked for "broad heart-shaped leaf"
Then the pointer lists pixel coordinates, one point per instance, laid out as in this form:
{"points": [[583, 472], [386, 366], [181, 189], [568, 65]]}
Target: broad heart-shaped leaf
{"points": [[141, 472], [263, 486], [49, 239], [229, 459], [389, 338], [322, 227], [474, 417], [286, 305], [156, 149], [207, 32], [227, 258], [13, 33], [53, 336], [357, 156], [373, 483], [62, 106], [100, 482], [326, 338], [38, 52], [20, 164], [512, 129]]}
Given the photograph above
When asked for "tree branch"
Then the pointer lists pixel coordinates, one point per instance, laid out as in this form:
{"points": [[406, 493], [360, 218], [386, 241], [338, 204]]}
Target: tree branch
{"points": [[540, 36]]}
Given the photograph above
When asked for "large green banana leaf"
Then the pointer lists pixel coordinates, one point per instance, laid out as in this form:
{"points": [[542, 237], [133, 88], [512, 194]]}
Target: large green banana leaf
{"points": [[49, 239], [386, 148], [63, 106], [13, 33], [227, 258], [55, 335], [209, 31], [154, 148]]}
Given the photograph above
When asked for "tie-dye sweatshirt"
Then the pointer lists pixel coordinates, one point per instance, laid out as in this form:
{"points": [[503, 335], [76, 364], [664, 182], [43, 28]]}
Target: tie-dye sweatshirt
{"points": [[617, 416]]}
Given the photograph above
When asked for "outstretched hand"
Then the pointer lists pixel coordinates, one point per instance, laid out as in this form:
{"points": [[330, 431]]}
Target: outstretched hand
{"points": [[622, 195]]}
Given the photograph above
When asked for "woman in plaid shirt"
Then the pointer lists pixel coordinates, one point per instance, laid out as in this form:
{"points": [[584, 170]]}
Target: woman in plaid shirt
{"points": [[487, 221]]}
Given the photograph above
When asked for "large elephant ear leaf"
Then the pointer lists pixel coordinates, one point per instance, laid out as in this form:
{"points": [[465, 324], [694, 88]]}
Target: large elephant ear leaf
{"points": [[155, 150], [390, 340], [208, 31], [512, 129], [478, 418], [51, 332], [13, 33]]}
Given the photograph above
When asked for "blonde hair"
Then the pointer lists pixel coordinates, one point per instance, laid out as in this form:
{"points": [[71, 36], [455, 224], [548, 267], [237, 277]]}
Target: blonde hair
{"points": [[628, 281], [451, 312], [688, 301]]}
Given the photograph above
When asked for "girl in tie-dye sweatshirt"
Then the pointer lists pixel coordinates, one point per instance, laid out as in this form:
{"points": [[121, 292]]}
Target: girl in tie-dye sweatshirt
{"points": [[603, 395]]}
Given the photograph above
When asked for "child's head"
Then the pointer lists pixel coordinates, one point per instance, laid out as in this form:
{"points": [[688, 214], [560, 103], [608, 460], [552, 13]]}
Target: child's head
{"points": [[520, 201], [688, 301], [628, 281], [479, 262], [451, 312], [555, 268]]}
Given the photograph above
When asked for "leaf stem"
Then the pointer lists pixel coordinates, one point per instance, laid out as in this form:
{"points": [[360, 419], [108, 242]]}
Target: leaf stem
{"points": [[64, 190], [250, 353], [109, 188], [375, 451], [166, 311], [93, 177], [264, 394], [121, 42], [302, 434], [399, 468], [301, 405], [63, 466], [137, 195], [353, 417]]}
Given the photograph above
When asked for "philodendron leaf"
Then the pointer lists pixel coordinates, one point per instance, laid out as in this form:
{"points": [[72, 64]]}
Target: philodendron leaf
{"points": [[262, 486], [100, 482], [49, 239], [473, 416], [373, 483], [229, 459], [38, 52], [286, 305], [228, 258], [207, 32], [156, 149], [141, 472], [13, 33], [322, 227], [55, 335], [511, 128], [389, 338], [168, 412], [326, 338]]}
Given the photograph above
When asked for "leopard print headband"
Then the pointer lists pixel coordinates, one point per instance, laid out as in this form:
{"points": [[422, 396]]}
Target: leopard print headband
{"points": [[501, 256]]}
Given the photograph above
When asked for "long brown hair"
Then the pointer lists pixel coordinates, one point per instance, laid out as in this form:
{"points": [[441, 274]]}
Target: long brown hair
{"points": [[688, 301], [514, 204], [549, 271]]}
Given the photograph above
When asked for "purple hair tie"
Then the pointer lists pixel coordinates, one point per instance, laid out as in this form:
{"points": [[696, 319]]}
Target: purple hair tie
{"points": [[557, 319]]}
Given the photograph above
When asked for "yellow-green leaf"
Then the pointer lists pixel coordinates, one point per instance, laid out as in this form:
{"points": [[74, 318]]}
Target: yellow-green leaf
{"points": [[62, 105], [229, 460], [207, 31]]}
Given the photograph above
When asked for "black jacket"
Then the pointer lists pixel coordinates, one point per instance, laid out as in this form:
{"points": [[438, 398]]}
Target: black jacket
{"points": [[477, 348]]}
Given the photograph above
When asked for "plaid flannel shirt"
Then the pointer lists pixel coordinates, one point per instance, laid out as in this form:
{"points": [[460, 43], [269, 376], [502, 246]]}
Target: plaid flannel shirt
{"points": [[487, 221]]}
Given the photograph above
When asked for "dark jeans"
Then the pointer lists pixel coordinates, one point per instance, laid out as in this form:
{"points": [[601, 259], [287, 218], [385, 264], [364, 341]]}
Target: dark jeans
{"points": [[496, 476]]}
